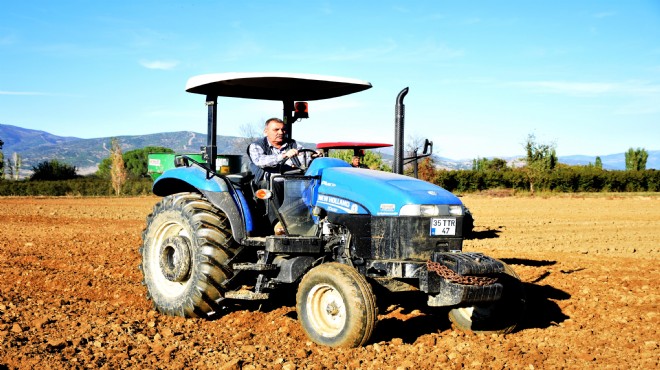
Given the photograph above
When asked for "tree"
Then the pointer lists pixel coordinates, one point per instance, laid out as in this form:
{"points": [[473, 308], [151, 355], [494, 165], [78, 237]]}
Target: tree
{"points": [[599, 163], [2, 161], [371, 159], [53, 170], [426, 170], [136, 162], [540, 159], [414, 146], [485, 164], [636, 159], [17, 165], [249, 133], [13, 166], [118, 173]]}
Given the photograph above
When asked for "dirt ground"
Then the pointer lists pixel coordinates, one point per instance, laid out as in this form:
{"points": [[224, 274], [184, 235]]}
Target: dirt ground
{"points": [[71, 297]]}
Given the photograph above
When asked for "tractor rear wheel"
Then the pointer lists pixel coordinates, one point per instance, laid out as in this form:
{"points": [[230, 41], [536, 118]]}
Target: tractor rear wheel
{"points": [[500, 317], [336, 306], [185, 248]]}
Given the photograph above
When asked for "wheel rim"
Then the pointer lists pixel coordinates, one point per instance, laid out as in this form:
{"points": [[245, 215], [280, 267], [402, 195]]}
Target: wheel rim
{"points": [[163, 257], [474, 314], [175, 259], [465, 313], [326, 310]]}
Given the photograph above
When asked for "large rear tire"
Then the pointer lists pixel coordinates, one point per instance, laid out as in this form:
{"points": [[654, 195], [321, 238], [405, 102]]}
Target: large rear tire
{"points": [[336, 306], [502, 316], [185, 248]]}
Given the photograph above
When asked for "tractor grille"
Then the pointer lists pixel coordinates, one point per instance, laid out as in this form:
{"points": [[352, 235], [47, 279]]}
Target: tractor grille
{"points": [[408, 238]]}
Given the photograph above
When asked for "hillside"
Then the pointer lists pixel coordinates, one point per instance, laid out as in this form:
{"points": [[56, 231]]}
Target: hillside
{"points": [[36, 146]]}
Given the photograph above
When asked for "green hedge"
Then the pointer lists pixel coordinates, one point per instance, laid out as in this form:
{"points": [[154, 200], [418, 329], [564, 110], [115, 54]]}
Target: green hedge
{"points": [[568, 180], [84, 186]]}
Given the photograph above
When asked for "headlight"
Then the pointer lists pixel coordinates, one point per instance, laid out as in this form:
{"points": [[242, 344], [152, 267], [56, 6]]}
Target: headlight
{"points": [[410, 210], [456, 210], [431, 210]]}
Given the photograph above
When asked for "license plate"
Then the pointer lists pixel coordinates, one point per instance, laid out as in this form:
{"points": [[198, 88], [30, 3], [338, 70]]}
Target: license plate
{"points": [[443, 226]]}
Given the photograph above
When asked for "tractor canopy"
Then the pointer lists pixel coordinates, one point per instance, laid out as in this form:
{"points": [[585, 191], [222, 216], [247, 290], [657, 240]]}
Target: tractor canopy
{"points": [[292, 89], [274, 86]]}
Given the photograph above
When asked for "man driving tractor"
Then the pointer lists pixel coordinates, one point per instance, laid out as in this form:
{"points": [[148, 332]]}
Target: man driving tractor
{"points": [[273, 154]]}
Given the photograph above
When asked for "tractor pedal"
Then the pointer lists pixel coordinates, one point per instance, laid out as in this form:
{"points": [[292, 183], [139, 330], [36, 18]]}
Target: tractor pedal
{"points": [[249, 266]]}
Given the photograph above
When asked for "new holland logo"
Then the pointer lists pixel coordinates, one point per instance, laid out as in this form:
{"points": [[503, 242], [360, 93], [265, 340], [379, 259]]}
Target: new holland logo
{"points": [[338, 203]]}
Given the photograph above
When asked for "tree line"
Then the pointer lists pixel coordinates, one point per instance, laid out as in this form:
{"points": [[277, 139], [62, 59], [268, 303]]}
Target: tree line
{"points": [[127, 173], [119, 173], [541, 171]]}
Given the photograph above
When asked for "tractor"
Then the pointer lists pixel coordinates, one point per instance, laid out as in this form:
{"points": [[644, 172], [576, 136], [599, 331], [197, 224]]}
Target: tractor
{"points": [[348, 232]]}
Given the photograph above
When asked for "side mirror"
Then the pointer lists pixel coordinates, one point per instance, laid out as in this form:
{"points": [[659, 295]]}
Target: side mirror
{"points": [[428, 145]]}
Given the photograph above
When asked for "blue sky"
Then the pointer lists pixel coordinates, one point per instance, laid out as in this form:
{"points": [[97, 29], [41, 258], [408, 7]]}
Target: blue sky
{"points": [[483, 75]]}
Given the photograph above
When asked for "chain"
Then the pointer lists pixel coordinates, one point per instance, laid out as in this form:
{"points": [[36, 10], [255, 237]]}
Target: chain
{"points": [[450, 275]]}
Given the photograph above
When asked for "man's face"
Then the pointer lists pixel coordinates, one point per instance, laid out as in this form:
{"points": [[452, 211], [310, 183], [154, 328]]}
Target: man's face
{"points": [[275, 133], [356, 161]]}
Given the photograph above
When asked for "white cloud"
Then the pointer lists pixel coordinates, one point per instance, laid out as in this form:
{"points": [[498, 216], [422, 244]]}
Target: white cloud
{"points": [[159, 64], [32, 93]]}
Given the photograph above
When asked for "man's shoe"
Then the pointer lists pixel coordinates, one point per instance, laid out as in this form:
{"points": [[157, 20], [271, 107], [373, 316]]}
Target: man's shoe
{"points": [[279, 229]]}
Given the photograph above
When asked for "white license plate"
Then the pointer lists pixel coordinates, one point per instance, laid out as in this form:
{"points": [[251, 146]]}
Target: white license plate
{"points": [[443, 226]]}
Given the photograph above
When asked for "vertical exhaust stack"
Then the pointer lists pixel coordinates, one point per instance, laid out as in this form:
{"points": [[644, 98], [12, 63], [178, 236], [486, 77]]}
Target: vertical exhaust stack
{"points": [[399, 114]]}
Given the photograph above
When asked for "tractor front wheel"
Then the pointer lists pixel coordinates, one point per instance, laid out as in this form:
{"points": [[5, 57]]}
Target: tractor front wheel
{"points": [[336, 306], [186, 245]]}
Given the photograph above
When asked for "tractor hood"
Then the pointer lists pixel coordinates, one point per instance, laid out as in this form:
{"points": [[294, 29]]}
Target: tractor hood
{"points": [[356, 190]]}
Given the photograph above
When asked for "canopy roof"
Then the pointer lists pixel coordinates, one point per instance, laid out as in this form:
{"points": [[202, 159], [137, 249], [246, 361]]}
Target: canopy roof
{"points": [[350, 145], [274, 86]]}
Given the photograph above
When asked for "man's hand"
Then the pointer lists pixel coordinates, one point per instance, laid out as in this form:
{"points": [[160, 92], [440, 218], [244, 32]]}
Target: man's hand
{"points": [[291, 153]]}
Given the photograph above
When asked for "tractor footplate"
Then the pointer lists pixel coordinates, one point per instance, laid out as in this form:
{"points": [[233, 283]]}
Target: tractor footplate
{"points": [[294, 244]]}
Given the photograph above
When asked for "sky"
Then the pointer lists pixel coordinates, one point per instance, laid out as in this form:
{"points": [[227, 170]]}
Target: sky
{"points": [[583, 76]]}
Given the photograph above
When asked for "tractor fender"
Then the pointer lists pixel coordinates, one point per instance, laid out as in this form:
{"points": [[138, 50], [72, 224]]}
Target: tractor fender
{"points": [[215, 188], [187, 179]]}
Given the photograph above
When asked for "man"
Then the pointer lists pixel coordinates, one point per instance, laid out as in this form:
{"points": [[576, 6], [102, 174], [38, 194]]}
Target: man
{"points": [[266, 153], [265, 156], [355, 162]]}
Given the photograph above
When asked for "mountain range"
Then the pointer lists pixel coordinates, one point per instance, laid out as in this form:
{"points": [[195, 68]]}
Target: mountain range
{"points": [[35, 146]]}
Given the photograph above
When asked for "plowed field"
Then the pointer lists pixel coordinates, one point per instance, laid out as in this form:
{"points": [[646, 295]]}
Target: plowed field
{"points": [[71, 295]]}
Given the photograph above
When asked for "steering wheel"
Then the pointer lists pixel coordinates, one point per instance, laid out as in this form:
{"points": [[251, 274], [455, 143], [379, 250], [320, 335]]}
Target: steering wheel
{"points": [[300, 167]]}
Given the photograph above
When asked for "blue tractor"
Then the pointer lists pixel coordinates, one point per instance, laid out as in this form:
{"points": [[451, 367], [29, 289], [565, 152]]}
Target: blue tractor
{"points": [[208, 244]]}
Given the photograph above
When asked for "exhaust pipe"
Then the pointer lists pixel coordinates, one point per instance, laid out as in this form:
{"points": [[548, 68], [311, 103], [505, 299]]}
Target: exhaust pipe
{"points": [[399, 113]]}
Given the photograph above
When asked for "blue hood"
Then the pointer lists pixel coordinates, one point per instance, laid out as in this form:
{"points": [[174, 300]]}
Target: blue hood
{"points": [[356, 190]]}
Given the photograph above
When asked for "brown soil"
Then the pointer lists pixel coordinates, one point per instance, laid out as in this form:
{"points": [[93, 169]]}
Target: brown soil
{"points": [[71, 295]]}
